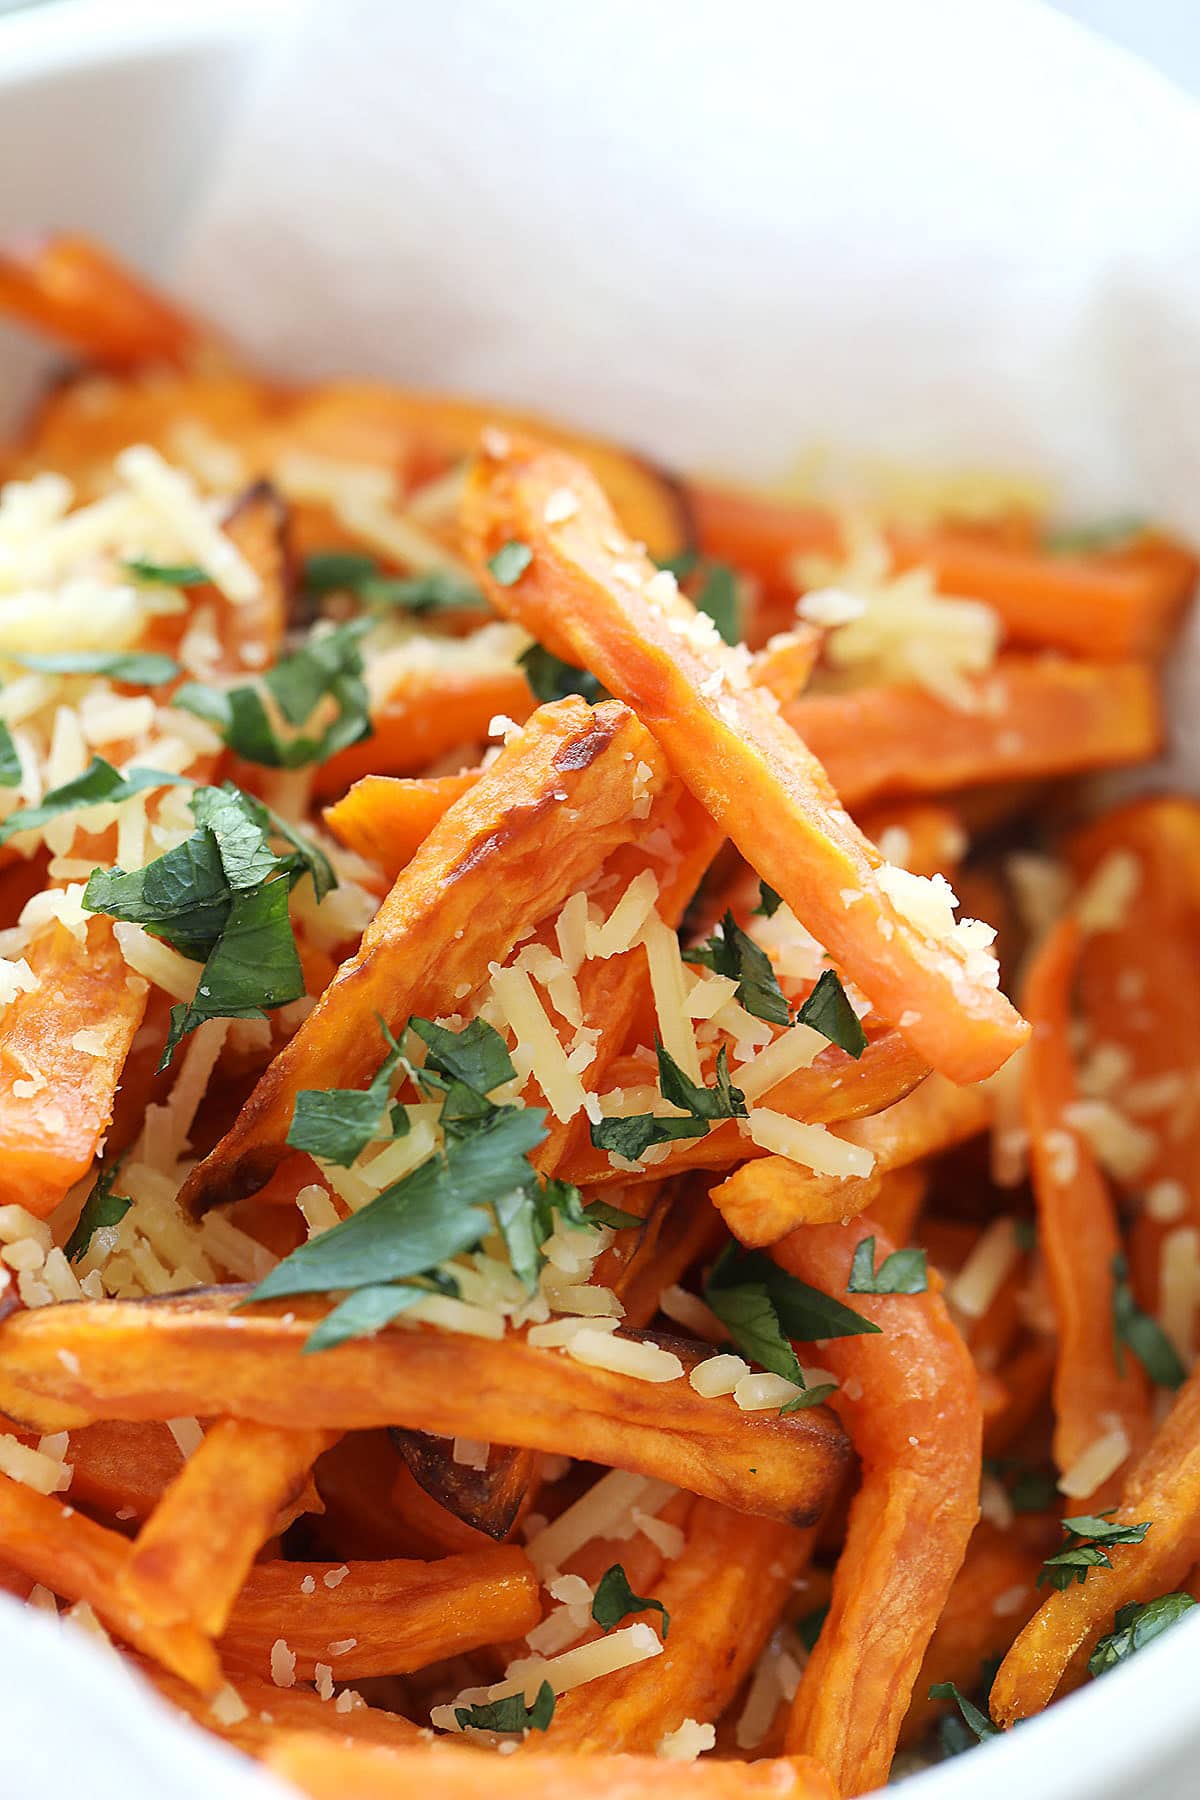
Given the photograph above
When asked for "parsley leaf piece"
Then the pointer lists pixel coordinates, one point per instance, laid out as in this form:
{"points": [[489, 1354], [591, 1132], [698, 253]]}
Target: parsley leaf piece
{"points": [[1135, 1626], [753, 1322], [977, 1722], [10, 762], [719, 598], [153, 574], [769, 902], [99, 785], [336, 1124], [808, 1628], [523, 1226], [510, 562], [101, 1210], [509, 1714], [615, 1600], [721, 1101], [813, 1396], [730, 952], [1029, 1490], [476, 1056], [142, 668], [631, 1137], [595, 1213], [183, 896], [901, 1273], [252, 967], [1103, 534], [436, 591], [804, 1312], [552, 679], [336, 571], [328, 667], [363, 1313], [828, 1011], [429, 1216], [1088, 1538], [1137, 1331]]}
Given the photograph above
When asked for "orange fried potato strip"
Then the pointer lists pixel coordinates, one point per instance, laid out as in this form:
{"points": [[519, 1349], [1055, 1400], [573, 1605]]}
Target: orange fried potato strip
{"points": [[1163, 1487], [272, 1713], [387, 818], [592, 595], [390, 1616], [191, 1557], [1036, 717], [325, 1770], [197, 1356], [70, 289], [70, 1554], [543, 817], [1096, 1389], [909, 1399]]}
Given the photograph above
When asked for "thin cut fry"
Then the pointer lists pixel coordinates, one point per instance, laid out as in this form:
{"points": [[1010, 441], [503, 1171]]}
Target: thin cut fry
{"points": [[599, 606], [80, 1560], [427, 1379], [1093, 1394], [551, 806], [191, 1557], [387, 819], [909, 1400], [71, 290], [1163, 1487], [325, 1770], [389, 1616], [123, 1468], [933, 1117], [56, 1100], [273, 1713]]}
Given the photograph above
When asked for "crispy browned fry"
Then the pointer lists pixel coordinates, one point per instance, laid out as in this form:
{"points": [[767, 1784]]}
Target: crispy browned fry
{"points": [[70, 289], [833, 1090], [432, 1529], [191, 1556], [910, 1400], [271, 1712], [933, 1117], [326, 1770], [491, 1499], [1164, 1487], [196, 1356], [590, 594], [73, 1556], [723, 1594], [389, 1617], [994, 1593], [552, 806]]}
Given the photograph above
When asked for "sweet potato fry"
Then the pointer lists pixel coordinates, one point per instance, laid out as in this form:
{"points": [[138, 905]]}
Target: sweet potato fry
{"points": [[590, 602], [897, 1205], [122, 1468], [760, 1209], [1097, 606], [188, 1562], [994, 1593], [432, 1529], [915, 1421], [326, 1770], [922, 836], [273, 1713], [547, 812], [80, 1560], [48, 1137], [1162, 1486], [723, 1595], [197, 1356], [833, 1090], [68, 289], [1093, 1393], [389, 1616], [387, 819], [1037, 716]]}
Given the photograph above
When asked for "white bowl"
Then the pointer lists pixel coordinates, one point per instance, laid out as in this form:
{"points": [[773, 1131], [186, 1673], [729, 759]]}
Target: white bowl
{"points": [[778, 283]]}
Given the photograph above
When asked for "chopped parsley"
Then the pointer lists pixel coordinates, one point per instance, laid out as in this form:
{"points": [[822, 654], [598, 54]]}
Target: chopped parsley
{"points": [[903, 1272], [509, 1714], [1103, 534], [252, 968], [808, 1627], [1135, 1330], [615, 1600], [976, 1722], [1135, 1626], [153, 574], [765, 1308], [1029, 1490], [631, 1137], [721, 1101], [769, 902], [348, 571], [552, 679], [336, 1124], [731, 953], [510, 562], [717, 594], [141, 668], [101, 1211], [828, 1011], [10, 762], [326, 670], [99, 785], [1088, 1540], [476, 1056]]}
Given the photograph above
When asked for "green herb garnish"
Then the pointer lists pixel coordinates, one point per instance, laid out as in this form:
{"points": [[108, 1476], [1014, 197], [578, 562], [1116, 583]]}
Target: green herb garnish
{"points": [[101, 1211], [615, 1600], [510, 1714], [154, 574], [552, 679], [828, 1011], [510, 562], [336, 1124], [1137, 1331], [1088, 1540], [731, 953], [903, 1272], [1135, 1626], [99, 785], [141, 668], [977, 1723]]}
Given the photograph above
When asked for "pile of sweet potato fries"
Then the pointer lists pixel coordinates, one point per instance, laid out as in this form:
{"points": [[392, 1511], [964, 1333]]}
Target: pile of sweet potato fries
{"points": [[527, 1225]]}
